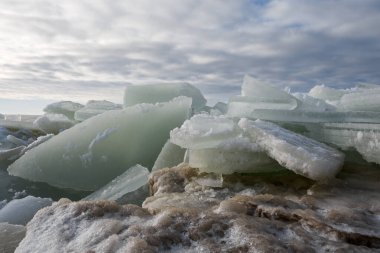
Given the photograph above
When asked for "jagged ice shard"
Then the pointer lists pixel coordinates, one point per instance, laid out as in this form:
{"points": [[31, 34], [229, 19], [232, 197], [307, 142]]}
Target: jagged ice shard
{"points": [[135, 94], [95, 151], [170, 156], [53, 123], [298, 153], [130, 187]]}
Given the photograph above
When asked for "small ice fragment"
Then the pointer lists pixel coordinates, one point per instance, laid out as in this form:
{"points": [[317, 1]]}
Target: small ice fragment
{"points": [[20, 211], [222, 107], [123, 188], [154, 93], [53, 123], [16, 141], [170, 156], [298, 153], [204, 131], [66, 108], [11, 154]]}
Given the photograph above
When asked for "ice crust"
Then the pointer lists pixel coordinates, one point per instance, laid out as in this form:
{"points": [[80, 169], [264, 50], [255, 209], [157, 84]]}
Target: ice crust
{"points": [[169, 156], [95, 107], [10, 236], [128, 188], [154, 93], [67, 108], [93, 152], [204, 131], [20, 211], [298, 153], [53, 123]]}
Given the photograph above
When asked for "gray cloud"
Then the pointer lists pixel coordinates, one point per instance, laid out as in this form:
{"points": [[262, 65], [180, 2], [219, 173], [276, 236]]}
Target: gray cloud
{"points": [[92, 49]]}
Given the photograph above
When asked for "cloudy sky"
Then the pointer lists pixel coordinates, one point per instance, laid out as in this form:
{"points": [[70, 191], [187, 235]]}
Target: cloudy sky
{"points": [[91, 49]]}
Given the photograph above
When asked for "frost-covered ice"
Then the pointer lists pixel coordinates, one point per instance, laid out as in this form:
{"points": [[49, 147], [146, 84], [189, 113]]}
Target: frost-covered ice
{"points": [[232, 155], [300, 154], [95, 107], [170, 156], [10, 236], [20, 211], [204, 131], [93, 152], [128, 188], [53, 123], [154, 93], [35, 143], [67, 108], [309, 116]]}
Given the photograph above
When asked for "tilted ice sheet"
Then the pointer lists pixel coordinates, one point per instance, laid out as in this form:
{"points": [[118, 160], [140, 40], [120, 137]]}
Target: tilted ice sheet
{"points": [[298, 153], [95, 151], [154, 93], [10, 236], [122, 189], [232, 155], [67, 108], [95, 107], [53, 123], [20, 211], [308, 116], [204, 131], [170, 155]]}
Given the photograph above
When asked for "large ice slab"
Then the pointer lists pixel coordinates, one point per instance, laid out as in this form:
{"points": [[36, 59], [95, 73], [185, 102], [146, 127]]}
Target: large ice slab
{"points": [[20, 211], [170, 155], [308, 116], [128, 188], [365, 100], [298, 153], [93, 152], [67, 108], [10, 236], [154, 93], [232, 155], [95, 107], [53, 123], [204, 131]]}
